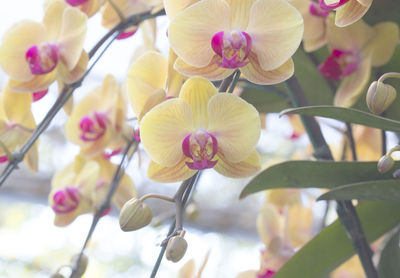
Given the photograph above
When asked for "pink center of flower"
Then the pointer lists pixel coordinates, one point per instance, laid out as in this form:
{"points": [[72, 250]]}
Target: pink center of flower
{"points": [[93, 127], [330, 7], [65, 200], [76, 2], [268, 274], [42, 59], [233, 48], [126, 34], [136, 134], [200, 146], [315, 10], [39, 95], [340, 64]]}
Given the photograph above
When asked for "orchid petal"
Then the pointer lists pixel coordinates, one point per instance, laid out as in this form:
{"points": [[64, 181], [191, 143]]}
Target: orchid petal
{"points": [[155, 98], [52, 19], [163, 129], [178, 172], [349, 13], [384, 43], [255, 74], [212, 71], [175, 79], [353, 85], [38, 83], [240, 13], [276, 30], [235, 124], [268, 224], [16, 41], [17, 107], [365, 3], [173, 7], [245, 168], [190, 38], [197, 91], [71, 76]]}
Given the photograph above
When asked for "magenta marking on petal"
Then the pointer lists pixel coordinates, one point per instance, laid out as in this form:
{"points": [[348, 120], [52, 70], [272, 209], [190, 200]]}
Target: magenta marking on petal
{"points": [[331, 7], [136, 134], [93, 128], [76, 2], [315, 10], [3, 159], [39, 95], [42, 59], [214, 145], [186, 146], [217, 43], [340, 64], [201, 147], [108, 155], [201, 165], [66, 200], [125, 35], [268, 274]]}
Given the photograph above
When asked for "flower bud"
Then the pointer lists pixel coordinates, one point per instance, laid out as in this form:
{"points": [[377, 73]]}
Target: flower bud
{"points": [[396, 174], [176, 248], [380, 96], [83, 263], [134, 215], [385, 163]]}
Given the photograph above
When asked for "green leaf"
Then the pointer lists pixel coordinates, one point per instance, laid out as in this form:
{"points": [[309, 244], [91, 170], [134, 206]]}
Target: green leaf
{"points": [[385, 190], [349, 115], [389, 265], [266, 99], [314, 174], [331, 247]]}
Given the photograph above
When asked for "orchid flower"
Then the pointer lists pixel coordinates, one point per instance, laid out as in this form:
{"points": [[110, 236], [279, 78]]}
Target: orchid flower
{"points": [[97, 121], [35, 54], [347, 11], [82, 186], [213, 38], [199, 130], [314, 17], [89, 7], [16, 126], [151, 80], [354, 50]]}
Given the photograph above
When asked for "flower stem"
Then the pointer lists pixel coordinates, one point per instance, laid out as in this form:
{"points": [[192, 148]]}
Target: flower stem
{"points": [[157, 196]]}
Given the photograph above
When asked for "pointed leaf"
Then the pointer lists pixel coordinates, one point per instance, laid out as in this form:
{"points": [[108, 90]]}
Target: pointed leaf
{"points": [[390, 257]]}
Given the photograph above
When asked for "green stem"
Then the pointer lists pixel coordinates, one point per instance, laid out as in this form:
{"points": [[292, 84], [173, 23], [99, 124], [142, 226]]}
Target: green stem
{"points": [[235, 79]]}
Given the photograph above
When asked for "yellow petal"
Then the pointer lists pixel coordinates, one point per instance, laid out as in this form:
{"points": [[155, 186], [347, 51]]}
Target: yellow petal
{"points": [[212, 71], [53, 19], [235, 124], [32, 158], [163, 129], [314, 26], [365, 3], [245, 168], [353, 85], [91, 7], [155, 98], [255, 74], [87, 178], [125, 191], [38, 83], [188, 270], [16, 41], [314, 44], [248, 274], [276, 30], [149, 33], [17, 106], [268, 223], [173, 7], [191, 31], [178, 172], [197, 91], [384, 43], [145, 76], [175, 79], [300, 225], [349, 13], [72, 36], [240, 13], [71, 76], [127, 7]]}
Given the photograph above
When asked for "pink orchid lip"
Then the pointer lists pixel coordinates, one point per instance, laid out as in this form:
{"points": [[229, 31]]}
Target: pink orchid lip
{"points": [[340, 64], [127, 34], [66, 200], [42, 59], [93, 128], [331, 7], [136, 134], [39, 95], [3, 159], [233, 48], [196, 146], [76, 2], [315, 10], [268, 274]]}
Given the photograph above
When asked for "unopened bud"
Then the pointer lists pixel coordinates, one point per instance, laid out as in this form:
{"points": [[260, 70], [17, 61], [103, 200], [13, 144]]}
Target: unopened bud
{"points": [[176, 248], [396, 174], [82, 266], [385, 163], [134, 215], [380, 96]]}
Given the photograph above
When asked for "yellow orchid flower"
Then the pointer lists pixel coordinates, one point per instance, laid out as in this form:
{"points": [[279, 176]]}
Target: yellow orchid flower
{"points": [[188, 270], [147, 80], [82, 186], [314, 18], [16, 126], [173, 7], [347, 11], [354, 50], [89, 7], [35, 54], [213, 38], [97, 121], [201, 129]]}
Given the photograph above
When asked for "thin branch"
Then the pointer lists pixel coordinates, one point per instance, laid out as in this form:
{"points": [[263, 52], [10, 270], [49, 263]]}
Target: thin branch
{"points": [[223, 87], [235, 79], [345, 209], [349, 132], [105, 205], [384, 142]]}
